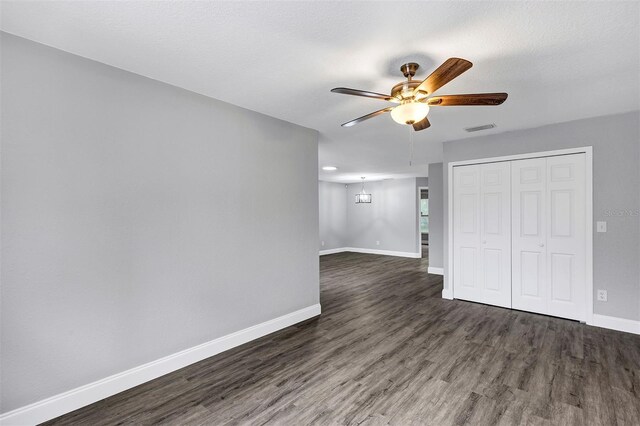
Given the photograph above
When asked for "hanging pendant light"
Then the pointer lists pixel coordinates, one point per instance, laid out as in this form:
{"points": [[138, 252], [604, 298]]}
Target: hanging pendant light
{"points": [[363, 197]]}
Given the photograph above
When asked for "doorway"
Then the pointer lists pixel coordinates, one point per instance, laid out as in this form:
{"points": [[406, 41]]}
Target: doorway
{"points": [[423, 220]]}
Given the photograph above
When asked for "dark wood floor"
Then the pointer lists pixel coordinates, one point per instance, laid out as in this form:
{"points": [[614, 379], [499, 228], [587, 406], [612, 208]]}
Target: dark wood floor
{"points": [[388, 349]]}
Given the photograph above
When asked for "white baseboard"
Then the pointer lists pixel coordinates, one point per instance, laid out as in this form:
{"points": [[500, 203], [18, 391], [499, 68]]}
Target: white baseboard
{"points": [[333, 251], [435, 271], [66, 402], [613, 323], [602, 321], [384, 252], [371, 251]]}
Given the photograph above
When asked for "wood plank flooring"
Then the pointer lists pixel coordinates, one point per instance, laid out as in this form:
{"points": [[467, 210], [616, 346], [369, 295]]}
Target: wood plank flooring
{"points": [[388, 350]]}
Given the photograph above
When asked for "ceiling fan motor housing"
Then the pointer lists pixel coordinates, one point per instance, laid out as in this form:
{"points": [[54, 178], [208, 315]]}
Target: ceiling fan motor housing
{"points": [[404, 89]]}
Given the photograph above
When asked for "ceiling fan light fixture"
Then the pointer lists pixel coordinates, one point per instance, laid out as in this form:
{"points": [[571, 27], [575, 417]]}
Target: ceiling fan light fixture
{"points": [[409, 112], [415, 97]]}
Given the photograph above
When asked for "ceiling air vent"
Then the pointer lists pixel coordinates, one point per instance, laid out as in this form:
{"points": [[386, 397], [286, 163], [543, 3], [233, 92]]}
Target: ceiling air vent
{"points": [[478, 128]]}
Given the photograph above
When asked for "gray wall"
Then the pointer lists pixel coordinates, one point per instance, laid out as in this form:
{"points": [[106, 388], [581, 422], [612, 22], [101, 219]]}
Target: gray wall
{"points": [[616, 178], [391, 218], [436, 221], [333, 215], [139, 219]]}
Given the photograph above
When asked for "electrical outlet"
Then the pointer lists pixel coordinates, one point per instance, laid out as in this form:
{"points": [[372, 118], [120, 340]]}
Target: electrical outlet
{"points": [[601, 226], [322, 243], [602, 295], [377, 243]]}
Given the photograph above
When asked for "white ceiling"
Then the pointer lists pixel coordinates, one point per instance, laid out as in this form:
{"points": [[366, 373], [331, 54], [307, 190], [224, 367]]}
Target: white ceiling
{"points": [[558, 61]]}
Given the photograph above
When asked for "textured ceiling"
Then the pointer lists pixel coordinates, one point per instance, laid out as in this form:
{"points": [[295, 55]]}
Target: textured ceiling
{"points": [[558, 61]]}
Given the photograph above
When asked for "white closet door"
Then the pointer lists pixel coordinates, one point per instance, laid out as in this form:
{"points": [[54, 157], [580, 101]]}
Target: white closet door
{"points": [[466, 231], [495, 233], [566, 236], [482, 233], [548, 236], [528, 195]]}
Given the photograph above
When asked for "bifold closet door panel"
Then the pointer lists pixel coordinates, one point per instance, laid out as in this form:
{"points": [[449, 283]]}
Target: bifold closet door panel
{"points": [[482, 228], [528, 218], [495, 233], [549, 235], [566, 236], [466, 233]]}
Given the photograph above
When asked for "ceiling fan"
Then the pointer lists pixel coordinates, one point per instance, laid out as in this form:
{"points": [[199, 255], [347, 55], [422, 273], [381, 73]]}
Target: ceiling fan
{"points": [[415, 97]]}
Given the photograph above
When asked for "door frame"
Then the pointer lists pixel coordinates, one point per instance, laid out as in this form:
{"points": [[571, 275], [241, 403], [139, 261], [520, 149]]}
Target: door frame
{"points": [[419, 212], [447, 291]]}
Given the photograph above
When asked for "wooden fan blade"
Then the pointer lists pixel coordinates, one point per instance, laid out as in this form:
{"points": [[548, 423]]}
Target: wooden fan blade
{"points": [[472, 99], [364, 93], [366, 117], [450, 69], [421, 125]]}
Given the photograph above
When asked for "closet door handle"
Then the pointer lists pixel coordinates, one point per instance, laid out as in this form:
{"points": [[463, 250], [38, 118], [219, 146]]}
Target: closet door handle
{"points": [[541, 245]]}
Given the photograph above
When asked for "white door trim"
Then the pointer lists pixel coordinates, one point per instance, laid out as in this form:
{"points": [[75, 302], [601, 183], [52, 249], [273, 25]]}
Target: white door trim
{"points": [[447, 292]]}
